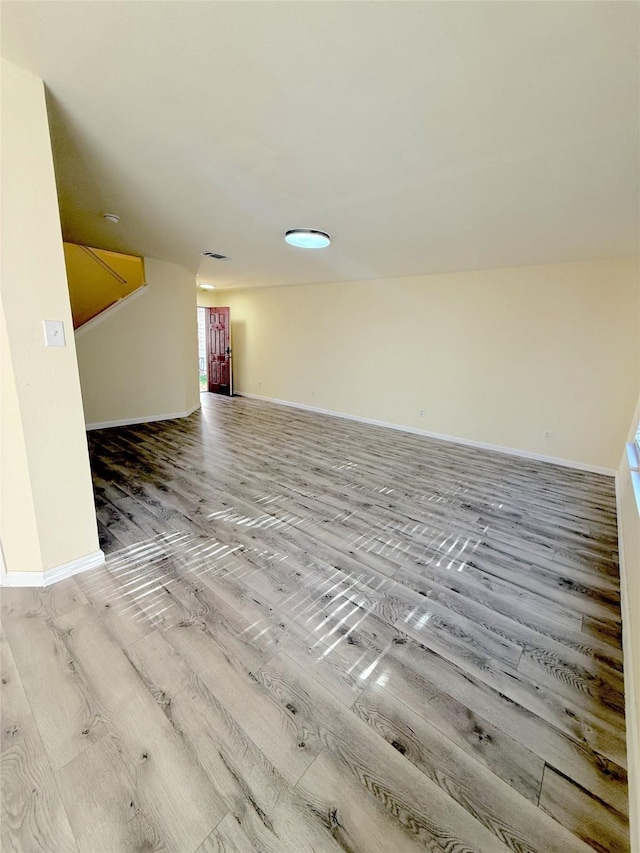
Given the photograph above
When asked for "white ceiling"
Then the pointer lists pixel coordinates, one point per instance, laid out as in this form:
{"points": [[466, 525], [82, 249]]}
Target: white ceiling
{"points": [[424, 136]]}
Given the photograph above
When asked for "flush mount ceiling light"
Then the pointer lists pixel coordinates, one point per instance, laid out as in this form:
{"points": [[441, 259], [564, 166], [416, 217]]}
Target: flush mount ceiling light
{"points": [[207, 286], [111, 217], [307, 238]]}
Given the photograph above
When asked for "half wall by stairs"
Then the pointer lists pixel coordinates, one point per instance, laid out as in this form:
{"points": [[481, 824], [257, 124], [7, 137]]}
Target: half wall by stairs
{"points": [[99, 279]]}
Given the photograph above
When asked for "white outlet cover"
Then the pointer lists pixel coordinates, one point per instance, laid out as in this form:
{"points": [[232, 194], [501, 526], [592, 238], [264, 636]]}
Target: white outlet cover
{"points": [[54, 333]]}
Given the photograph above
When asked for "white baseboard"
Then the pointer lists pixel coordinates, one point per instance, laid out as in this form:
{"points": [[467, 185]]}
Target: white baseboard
{"points": [[632, 712], [58, 573], [511, 451], [144, 420]]}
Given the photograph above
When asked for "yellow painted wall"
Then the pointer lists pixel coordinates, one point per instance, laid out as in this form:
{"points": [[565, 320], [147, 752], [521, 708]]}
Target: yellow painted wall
{"points": [[496, 356], [92, 288], [142, 361], [48, 514]]}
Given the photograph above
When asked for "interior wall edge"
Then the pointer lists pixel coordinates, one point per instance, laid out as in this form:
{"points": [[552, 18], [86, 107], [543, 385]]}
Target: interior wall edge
{"points": [[141, 361], [48, 512], [632, 711]]}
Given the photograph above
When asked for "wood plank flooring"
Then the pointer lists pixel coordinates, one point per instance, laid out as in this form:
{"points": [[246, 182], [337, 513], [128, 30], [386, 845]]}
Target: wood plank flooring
{"points": [[315, 635]]}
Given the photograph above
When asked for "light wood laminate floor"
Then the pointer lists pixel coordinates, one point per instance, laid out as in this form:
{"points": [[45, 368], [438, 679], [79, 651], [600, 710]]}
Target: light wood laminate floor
{"points": [[318, 635]]}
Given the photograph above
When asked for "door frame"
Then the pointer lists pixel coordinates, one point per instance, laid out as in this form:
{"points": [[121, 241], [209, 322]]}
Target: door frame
{"points": [[206, 346]]}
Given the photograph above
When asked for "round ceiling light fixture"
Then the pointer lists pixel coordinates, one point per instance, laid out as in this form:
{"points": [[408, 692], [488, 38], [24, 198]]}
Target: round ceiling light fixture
{"points": [[207, 286], [307, 238], [111, 217]]}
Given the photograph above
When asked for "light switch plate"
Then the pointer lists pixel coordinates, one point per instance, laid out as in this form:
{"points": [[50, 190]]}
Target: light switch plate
{"points": [[54, 333]]}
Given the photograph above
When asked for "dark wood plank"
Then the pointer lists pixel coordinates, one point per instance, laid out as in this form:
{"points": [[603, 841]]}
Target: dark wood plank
{"points": [[368, 796], [493, 802], [427, 684], [598, 824]]}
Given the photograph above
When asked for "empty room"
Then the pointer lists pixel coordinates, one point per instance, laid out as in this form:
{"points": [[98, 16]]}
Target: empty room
{"points": [[320, 426]]}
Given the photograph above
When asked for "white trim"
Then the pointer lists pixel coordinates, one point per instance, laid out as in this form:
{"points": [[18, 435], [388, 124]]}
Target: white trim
{"points": [[632, 712], [144, 420], [3, 570], [633, 460], [110, 310], [511, 451], [58, 573], [635, 485]]}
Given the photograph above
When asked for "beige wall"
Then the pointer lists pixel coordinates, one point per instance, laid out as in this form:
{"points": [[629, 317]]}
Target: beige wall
{"points": [[47, 512], [17, 512], [142, 361], [496, 356]]}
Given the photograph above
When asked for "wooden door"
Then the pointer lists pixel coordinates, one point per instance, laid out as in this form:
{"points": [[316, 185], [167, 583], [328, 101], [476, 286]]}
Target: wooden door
{"points": [[219, 350]]}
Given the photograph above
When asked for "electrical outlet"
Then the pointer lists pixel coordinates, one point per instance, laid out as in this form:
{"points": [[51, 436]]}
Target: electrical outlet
{"points": [[421, 413], [547, 435], [313, 393]]}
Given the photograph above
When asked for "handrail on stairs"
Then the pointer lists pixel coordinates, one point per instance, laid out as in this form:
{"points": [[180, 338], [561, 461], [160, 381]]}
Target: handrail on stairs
{"points": [[103, 264]]}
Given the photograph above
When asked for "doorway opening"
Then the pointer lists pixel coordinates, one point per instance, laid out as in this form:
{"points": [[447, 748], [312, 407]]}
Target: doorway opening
{"points": [[214, 351]]}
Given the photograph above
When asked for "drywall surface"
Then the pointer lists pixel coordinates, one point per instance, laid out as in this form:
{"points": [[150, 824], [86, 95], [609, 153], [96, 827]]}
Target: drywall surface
{"points": [[497, 356], [18, 527], [142, 362], [48, 514]]}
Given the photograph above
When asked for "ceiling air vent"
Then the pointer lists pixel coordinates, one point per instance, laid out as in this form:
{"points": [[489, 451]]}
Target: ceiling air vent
{"points": [[215, 255]]}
